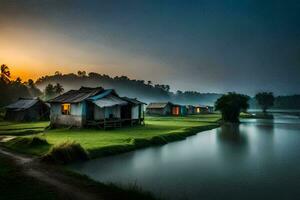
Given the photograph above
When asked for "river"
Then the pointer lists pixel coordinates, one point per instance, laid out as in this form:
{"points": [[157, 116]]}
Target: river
{"points": [[258, 159]]}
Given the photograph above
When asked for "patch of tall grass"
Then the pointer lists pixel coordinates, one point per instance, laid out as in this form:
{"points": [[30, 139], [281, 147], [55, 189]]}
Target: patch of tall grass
{"points": [[65, 153]]}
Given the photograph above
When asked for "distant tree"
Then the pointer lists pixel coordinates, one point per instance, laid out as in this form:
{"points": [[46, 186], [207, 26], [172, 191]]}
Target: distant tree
{"points": [[49, 91], [33, 90], [230, 105], [179, 92], [167, 88], [18, 80], [265, 100], [81, 73], [30, 83], [5, 74], [58, 89], [57, 73], [149, 83]]}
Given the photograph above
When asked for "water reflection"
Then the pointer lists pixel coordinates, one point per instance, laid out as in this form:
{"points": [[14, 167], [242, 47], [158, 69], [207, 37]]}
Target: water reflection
{"points": [[247, 161], [232, 134]]}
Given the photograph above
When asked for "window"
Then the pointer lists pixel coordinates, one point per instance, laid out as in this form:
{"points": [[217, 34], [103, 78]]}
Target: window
{"points": [[175, 110], [198, 110], [66, 109]]}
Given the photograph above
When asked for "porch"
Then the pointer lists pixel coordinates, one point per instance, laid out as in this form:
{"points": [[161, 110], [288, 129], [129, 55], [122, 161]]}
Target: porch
{"points": [[114, 122]]}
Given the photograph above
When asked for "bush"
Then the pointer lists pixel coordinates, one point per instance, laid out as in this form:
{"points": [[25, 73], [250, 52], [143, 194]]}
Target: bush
{"points": [[65, 153]]}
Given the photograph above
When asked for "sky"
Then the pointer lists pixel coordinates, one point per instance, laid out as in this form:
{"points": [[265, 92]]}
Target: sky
{"points": [[245, 46]]}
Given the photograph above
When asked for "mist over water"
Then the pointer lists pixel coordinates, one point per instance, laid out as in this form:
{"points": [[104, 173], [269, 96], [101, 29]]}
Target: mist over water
{"points": [[255, 160]]}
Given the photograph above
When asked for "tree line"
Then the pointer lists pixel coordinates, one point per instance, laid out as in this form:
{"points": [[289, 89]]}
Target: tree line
{"points": [[13, 89], [232, 104]]}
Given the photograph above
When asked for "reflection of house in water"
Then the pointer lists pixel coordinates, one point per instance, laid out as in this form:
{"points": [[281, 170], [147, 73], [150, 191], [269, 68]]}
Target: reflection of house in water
{"points": [[95, 107], [27, 109]]}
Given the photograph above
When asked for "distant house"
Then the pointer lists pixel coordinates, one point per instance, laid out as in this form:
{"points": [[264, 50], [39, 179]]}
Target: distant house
{"points": [[166, 109], [94, 107], [210, 109], [27, 109], [204, 109], [163, 108], [191, 110]]}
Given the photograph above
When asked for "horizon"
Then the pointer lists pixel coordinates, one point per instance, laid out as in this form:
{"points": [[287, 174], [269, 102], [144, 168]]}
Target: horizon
{"points": [[173, 90], [246, 47]]}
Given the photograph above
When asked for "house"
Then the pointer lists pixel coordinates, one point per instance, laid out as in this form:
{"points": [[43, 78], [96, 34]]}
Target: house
{"points": [[163, 108], [27, 109], [191, 110], [179, 110], [94, 107], [166, 109], [204, 109], [210, 109], [137, 109]]}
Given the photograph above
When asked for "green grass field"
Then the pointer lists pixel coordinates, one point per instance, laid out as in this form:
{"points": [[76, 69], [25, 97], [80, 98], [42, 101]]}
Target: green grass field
{"points": [[13, 128], [98, 142]]}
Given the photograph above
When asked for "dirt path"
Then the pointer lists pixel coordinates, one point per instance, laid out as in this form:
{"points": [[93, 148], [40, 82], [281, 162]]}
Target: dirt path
{"points": [[64, 185]]}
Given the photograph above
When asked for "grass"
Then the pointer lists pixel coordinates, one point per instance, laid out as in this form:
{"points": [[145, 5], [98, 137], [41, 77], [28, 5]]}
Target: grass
{"points": [[21, 128], [97, 142], [110, 190], [33, 145], [16, 186], [65, 153]]}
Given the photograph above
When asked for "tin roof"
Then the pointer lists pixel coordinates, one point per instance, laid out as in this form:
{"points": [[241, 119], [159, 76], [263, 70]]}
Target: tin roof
{"points": [[109, 101], [77, 96], [158, 105], [133, 101], [23, 104]]}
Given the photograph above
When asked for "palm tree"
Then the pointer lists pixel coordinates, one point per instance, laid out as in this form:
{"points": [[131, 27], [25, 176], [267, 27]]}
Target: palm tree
{"points": [[58, 88], [5, 74]]}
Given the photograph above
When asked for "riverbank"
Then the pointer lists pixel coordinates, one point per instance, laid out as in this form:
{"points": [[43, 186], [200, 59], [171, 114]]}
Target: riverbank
{"points": [[35, 180], [98, 143], [55, 182]]}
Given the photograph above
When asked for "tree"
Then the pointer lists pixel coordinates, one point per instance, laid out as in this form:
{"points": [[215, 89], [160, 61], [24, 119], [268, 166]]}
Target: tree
{"points": [[49, 91], [5, 74], [58, 73], [58, 89], [30, 83], [18, 80], [231, 105], [81, 73], [33, 90], [265, 100]]}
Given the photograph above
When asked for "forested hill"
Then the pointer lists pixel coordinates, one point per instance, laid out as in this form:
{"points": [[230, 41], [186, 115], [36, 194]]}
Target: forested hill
{"points": [[144, 90]]}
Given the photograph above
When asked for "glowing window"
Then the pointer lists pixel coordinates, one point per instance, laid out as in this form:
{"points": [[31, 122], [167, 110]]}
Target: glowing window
{"points": [[66, 109], [175, 110], [198, 110]]}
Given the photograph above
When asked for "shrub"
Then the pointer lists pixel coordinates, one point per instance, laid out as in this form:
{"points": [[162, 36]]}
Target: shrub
{"points": [[65, 153]]}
